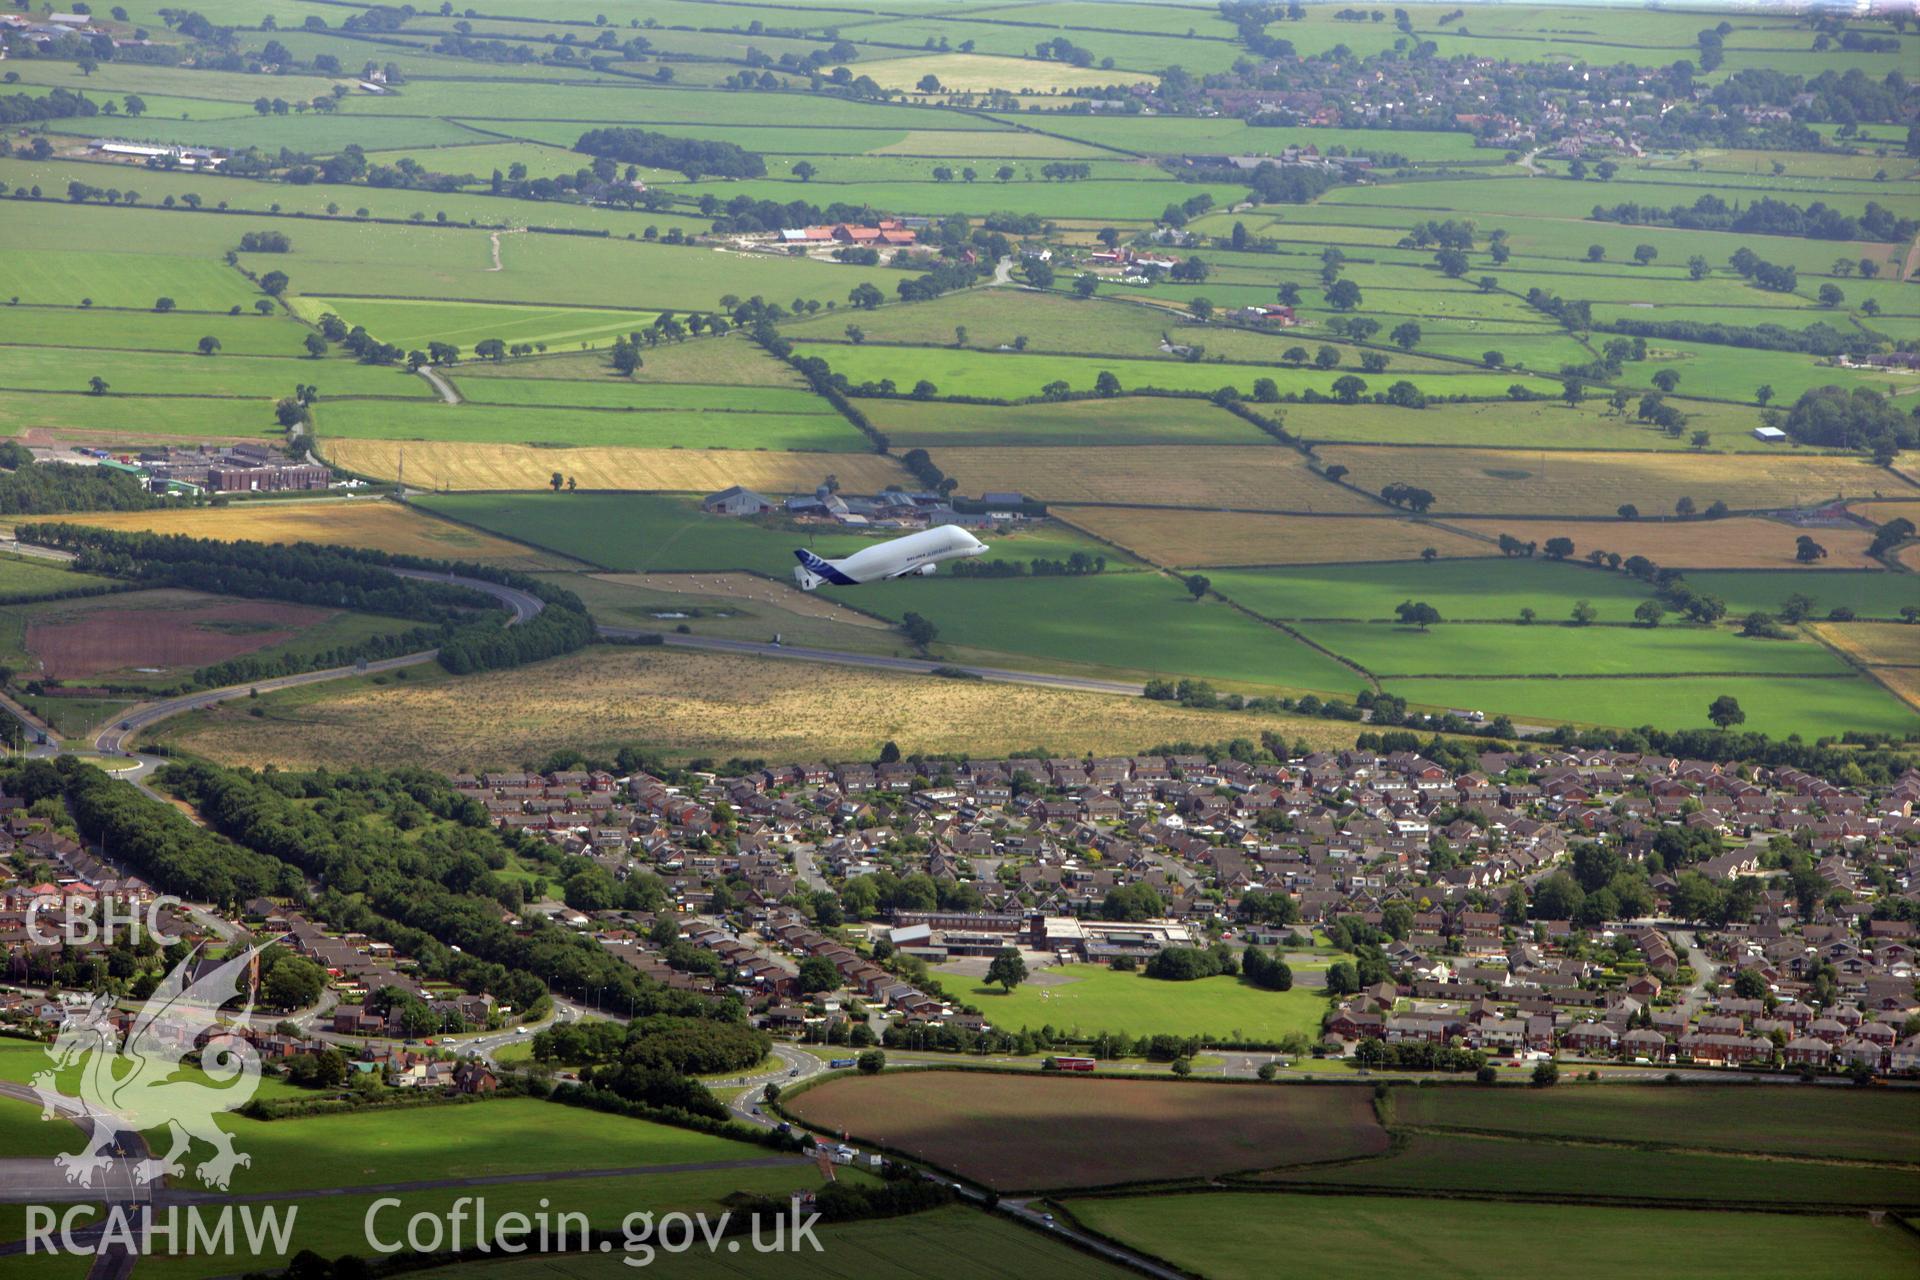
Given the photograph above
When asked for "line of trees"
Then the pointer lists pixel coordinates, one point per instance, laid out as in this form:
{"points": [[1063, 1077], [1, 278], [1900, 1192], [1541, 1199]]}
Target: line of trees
{"points": [[694, 157]]}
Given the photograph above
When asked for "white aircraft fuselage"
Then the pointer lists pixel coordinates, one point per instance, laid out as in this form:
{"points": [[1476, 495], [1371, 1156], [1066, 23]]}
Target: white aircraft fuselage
{"points": [[917, 553]]}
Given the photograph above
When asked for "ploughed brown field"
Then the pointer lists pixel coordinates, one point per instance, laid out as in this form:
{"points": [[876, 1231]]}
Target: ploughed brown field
{"points": [[1030, 1133], [198, 635]]}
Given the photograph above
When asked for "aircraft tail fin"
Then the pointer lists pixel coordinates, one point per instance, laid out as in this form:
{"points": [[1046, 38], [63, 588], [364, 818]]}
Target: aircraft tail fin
{"points": [[815, 570]]}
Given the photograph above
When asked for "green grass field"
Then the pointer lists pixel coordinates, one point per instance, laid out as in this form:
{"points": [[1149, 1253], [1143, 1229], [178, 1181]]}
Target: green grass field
{"points": [[1080, 423], [1091, 998], [1452, 1162], [139, 373], [1236, 1236], [23, 576], [1508, 649], [95, 328], [1460, 590]]}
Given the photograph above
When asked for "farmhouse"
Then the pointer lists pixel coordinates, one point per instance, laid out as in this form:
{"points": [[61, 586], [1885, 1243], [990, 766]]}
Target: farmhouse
{"points": [[736, 501]]}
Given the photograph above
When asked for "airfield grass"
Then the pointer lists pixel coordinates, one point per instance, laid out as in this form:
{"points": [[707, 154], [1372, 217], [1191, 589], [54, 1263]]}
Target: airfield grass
{"points": [[1523, 1168], [734, 606], [24, 1133], [1185, 539], [543, 425], [1762, 1119], [357, 522], [1081, 423], [1236, 1236], [687, 706], [1738, 542], [1508, 649], [1085, 999], [1251, 478], [1575, 483], [1811, 706], [916, 1247], [462, 465]]}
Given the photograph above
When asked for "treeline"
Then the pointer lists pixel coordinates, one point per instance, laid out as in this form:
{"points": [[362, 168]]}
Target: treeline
{"points": [[40, 489], [150, 836], [1766, 216], [61, 104], [693, 1046], [1820, 338], [341, 577], [692, 156]]}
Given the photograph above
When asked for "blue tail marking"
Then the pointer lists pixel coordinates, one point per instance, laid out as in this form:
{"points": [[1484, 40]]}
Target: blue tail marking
{"points": [[823, 568]]}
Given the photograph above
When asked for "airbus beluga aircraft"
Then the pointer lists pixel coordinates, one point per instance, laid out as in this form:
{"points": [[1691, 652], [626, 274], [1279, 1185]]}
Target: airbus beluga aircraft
{"points": [[919, 553]]}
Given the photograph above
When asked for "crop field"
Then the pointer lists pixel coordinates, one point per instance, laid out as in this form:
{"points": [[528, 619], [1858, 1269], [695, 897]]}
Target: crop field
{"points": [[977, 73], [688, 706], [994, 1248], [1738, 542], [1253, 478], [1183, 539], [1034, 1131], [1237, 1235], [1531, 425], [1873, 644], [1077, 423], [380, 526], [1526, 482], [460, 466], [1521, 1168], [1085, 999]]}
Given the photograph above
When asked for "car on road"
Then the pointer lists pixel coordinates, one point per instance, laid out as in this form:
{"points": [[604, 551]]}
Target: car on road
{"points": [[793, 1072]]}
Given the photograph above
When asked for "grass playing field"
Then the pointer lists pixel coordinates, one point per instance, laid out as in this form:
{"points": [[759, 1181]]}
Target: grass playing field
{"points": [[1085, 999]]}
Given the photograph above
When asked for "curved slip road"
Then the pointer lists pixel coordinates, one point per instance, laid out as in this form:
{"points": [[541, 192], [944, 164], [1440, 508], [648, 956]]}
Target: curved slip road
{"points": [[114, 740]]}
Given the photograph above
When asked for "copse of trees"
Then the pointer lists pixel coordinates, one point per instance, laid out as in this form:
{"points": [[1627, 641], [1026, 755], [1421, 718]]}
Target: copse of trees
{"points": [[28, 488], [693, 157], [1836, 418]]}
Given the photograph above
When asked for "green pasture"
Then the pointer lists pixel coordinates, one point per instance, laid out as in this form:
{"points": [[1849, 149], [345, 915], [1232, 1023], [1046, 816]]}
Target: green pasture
{"points": [[148, 374], [100, 329], [1549, 648], [1081, 423], [1868, 593], [1810, 706], [1457, 1162], [1761, 1119], [723, 362], [1171, 135], [1126, 201], [77, 415], [1478, 590], [637, 427], [1083, 999], [412, 324], [1237, 1235], [1012, 376], [23, 576], [75, 277], [618, 393]]}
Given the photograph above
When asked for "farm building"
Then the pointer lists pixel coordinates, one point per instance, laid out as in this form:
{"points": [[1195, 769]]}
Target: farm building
{"points": [[185, 157], [736, 501], [1770, 435]]}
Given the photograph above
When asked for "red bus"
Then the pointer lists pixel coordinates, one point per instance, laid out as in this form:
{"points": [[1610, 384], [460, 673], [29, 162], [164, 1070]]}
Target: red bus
{"points": [[1074, 1064]]}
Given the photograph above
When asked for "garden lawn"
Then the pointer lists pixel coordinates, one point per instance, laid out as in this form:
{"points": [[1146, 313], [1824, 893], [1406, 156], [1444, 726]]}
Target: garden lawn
{"points": [[1236, 1236], [1084, 999]]}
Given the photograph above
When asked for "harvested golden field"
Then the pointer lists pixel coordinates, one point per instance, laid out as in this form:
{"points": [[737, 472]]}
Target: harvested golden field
{"points": [[1253, 477], [1182, 539], [335, 522], [693, 704], [1580, 483], [1904, 681], [1879, 513], [458, 466], [1873, 644], [1739, 542]]}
